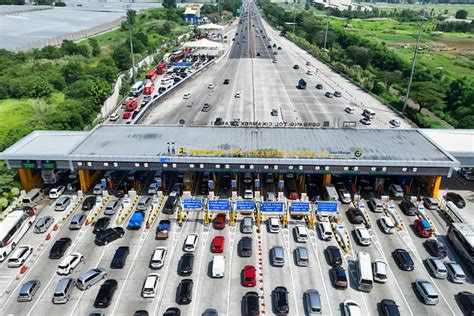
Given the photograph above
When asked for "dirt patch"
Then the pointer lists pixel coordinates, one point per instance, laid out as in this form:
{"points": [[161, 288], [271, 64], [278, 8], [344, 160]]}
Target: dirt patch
{"points": [[462, 45]]}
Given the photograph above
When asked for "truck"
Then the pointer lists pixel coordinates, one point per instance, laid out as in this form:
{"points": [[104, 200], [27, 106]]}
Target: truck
{"points": [[423, 227], [131, 105], [162, 230], [136, 220], [151, 75], [218, 266], [161, 68], [149, 87], [51, 176], [302, 84]]}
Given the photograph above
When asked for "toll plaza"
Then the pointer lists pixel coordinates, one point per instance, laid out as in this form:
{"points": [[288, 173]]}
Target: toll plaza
{"points": [[262, 171]]}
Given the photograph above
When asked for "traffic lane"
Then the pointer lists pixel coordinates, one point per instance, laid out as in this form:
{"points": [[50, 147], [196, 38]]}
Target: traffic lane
{"points": [[308, 277], [213, 292], [243, 85], [236, 288], [44, 269], [351, 92]]}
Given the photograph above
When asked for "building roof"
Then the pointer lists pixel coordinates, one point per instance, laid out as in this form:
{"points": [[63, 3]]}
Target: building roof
{"points": [[203, 43], [210, 26], [458, 142], [388, 147]]}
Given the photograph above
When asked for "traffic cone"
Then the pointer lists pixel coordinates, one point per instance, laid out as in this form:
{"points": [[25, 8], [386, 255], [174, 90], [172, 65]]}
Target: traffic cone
{"points": [[48, 236], [55, 228], [23, 269]]}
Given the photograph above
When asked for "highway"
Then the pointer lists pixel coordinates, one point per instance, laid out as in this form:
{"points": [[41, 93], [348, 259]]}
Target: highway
{"points": [[265, 85]]}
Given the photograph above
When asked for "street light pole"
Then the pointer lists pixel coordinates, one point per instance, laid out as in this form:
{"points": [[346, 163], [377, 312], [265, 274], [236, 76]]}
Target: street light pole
{"points": [[131, 43], [327, 25], [294, 16], [405, 103]]}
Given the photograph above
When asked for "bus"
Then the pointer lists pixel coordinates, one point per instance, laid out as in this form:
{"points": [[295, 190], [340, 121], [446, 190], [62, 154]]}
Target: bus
{"points": [[364, 271], [461, 235], [13, 228]]}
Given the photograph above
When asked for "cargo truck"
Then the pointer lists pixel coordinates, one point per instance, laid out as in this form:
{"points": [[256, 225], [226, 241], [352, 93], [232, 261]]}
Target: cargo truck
{"points": [[136, 220], [163, 229]]}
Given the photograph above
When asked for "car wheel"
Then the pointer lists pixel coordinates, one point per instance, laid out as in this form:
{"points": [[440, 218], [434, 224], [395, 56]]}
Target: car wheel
{"points": [[82, 259], [105, 275], [106, 243], [13, 245], [88, 287], [121, 235]]}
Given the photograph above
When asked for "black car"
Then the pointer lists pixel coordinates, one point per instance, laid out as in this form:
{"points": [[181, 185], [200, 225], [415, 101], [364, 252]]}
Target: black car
{"points": [[279, 47], [467, 302], [88, 203], [172, 311], [120, 257], [258, 54], [456, 199], [59, 248], [435, 248], [389, 308], [355, 215], [140, 313], [319, 86], [184, 292], [408, 208], [403, 260], [185, 265], [296, 67], [170, 205], [280, 300], [106, 292], [101, 224], [334, 256], [226, 81], [134, 114], [219, 121], [120, 191], [251, 304], [245, 247], [269, 46], [108, 235], [274, 45], [339, 277]]}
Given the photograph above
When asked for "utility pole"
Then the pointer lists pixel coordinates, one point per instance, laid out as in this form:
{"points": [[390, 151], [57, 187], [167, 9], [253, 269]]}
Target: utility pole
{"points": [[327, 26], [131, 43], [405, 103], [294, 16]]}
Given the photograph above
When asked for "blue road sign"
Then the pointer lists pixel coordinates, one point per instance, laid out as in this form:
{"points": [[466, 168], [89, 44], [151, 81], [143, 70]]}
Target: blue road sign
{"points": [[165, 159], [281, 184], [233, 183], [245, 205], [103, 183], [272, 207], [327, 207], [192, 204], [218, 205], [257, 183], [211, 185], [299, 208]]}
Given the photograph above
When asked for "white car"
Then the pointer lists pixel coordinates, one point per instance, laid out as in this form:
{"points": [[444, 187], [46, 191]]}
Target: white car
{"points": [[351, 308], [379, 269], [187, 95], [387, 224], [190, 243], [114, 117], [395, 123], [248, 194], [69, 263], [366, 121], [362, 235], [349, 110], [150, 285], [309, 73], [157, 260], [97, 189], [152, 188], [19, 256], [237, 95], [211, 86], [54, 193]]}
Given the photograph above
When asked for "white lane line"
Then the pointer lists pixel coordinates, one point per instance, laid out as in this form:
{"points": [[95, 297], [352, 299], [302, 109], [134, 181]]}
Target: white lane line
{"points": [[205, 237], [313, 245], [143, 237], [286, 238], [231, 247]]}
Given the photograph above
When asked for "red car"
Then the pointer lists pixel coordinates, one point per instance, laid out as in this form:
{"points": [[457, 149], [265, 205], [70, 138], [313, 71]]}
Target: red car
{"points": [[126, 115], [217, 245], [219, 221], [249, 276]]}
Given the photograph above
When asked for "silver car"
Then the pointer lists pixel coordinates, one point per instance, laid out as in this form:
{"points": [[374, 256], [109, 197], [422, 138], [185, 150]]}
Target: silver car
{"points": [[77, 221], [43, 224]]}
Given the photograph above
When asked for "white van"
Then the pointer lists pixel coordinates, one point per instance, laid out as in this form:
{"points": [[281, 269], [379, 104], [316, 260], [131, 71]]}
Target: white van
{"points": [[325, 230], [274, 225], [331, 193], [32, 197], [369, 113], [301, 233], [137, 88], [218, 266]]}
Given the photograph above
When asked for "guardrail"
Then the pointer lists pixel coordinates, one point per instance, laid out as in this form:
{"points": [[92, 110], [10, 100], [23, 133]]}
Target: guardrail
{"points": [[162, 96]]}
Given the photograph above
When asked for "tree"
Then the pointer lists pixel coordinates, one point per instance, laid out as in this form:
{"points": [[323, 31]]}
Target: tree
{"points": [[360, 55], [389, 77], [95, 46], [122, 58], [38, 87], [427, 93], [461, 14], [72, 71], [166, 28], [131, 16], [169, 4]]}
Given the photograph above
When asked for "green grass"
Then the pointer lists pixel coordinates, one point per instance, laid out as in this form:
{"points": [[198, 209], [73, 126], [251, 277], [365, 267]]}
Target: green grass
{"points": [[437, 8], [14, 112]]}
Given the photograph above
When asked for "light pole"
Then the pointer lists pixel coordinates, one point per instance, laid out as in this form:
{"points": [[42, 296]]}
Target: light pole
{"points": [[327, 25], [294, 16], [131, 43], [405, 103]]}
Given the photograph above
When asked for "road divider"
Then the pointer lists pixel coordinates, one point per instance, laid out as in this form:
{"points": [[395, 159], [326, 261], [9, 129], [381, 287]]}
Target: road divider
{"points": [[99, 204], [157, 206], [341, 236], [128, 207], [70, 209], [391, 211]]}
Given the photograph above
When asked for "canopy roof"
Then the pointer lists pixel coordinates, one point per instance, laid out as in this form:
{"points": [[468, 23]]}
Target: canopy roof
{"points": [[203, 43], [211, 27]]}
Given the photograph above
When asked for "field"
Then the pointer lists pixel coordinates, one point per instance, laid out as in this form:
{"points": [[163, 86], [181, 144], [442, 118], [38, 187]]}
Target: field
{"points": [[13, 113], [450, 53], [436, 8]]}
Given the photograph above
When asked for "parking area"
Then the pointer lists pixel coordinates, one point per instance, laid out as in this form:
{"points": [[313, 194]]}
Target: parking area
{"points": [[226, 294]]}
